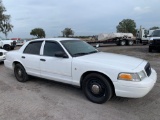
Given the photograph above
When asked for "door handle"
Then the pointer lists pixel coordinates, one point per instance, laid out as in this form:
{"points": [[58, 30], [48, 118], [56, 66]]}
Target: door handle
{"points": [[42, 60], [23, 57]]}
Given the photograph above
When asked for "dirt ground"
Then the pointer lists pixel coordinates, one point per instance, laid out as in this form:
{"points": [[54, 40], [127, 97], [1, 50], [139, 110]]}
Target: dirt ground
{"points": [[40, 99]]}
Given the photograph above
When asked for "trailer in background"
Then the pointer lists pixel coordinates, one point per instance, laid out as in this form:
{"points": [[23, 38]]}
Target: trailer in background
{"points": [[116, 38]]}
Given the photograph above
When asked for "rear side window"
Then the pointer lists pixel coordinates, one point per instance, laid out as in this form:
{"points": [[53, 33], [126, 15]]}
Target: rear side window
{"points": [[51, 48], [33, 48]]}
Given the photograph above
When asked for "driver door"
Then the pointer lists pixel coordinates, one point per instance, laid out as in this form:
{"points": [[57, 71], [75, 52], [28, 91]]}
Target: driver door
{"points": [[52, 67]]}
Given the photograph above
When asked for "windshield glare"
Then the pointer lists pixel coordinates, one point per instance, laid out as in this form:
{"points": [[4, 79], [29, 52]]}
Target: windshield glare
{"points": [[156, 33], [78, 47]]}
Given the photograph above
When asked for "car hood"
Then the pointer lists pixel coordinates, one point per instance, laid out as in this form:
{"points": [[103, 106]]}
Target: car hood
{"points": [[152, 38], [111, 60], [7, 41]]}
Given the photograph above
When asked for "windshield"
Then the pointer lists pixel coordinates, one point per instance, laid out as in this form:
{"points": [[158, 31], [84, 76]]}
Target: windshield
{"points": [[156, 33], [78, 47]]}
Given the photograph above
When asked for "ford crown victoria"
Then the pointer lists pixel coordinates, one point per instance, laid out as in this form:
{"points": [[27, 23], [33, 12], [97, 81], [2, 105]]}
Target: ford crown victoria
{"points": [[100, 75]]}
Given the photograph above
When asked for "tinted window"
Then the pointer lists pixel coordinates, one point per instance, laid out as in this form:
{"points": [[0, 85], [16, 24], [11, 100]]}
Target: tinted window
{"points": [[78, 47], [156, 33], [33, 48], [51, 48]]}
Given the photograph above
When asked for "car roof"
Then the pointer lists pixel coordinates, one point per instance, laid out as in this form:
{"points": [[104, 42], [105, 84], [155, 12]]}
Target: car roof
{"points": [[56, 39]]}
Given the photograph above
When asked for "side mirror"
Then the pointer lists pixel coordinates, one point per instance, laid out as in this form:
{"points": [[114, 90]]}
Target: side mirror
{"points": [[61, 54], [147, 36]]}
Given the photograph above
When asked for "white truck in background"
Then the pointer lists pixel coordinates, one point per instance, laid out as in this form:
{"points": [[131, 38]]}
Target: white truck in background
{"points": [[7, 44], [141, 35]]}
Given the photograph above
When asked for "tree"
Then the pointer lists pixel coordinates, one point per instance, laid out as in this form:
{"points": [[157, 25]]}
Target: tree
{"points": [[67, 32], [127, 26], [38, 32], [153, 28], [5, 25]]}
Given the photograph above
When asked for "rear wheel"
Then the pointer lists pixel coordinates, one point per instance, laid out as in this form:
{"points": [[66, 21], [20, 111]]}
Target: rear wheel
{"points": [[123, 42], [97, 88], [130, 42], [20, 73], [150, 49]]}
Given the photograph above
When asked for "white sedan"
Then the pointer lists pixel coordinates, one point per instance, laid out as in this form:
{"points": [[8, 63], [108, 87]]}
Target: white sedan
{"points": [[100, 75], [2, 54]]}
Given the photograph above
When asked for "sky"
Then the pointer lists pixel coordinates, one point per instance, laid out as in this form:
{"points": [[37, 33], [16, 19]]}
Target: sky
{"points": [[84, 17]]}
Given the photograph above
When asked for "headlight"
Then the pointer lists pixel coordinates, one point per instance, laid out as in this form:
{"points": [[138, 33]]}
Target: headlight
{"points": [[142, 75], [132, 76]]}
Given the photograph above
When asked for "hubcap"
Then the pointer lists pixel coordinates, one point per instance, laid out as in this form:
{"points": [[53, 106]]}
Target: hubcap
{"points": [[95, 89], [123, 43], [19, 72], [130, 43]]}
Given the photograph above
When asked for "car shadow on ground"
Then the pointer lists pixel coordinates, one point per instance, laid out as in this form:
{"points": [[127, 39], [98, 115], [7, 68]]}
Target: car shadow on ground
{"points": [[69, 89]]}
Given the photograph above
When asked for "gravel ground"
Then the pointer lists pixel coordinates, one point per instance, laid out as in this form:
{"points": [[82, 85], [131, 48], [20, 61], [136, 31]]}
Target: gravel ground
{"points": [[40, 99]]}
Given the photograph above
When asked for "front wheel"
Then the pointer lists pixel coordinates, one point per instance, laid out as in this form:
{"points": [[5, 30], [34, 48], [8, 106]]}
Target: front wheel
{"points": [[97, 88], [12, 48], [7, 47], [20, 73]]}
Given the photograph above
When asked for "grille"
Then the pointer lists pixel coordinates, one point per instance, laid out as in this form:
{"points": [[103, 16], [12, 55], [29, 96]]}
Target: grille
{"points": [[156, 41], [148, 69], [14, 43], [1, 53]]}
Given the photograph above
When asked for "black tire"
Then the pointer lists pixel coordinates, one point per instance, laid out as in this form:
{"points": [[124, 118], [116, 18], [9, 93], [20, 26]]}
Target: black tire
{"points": [[150, 49], [130, 42], [117, 43], [20, 73], [123, 42], [97, 88], [7, 47], [12, 48]]}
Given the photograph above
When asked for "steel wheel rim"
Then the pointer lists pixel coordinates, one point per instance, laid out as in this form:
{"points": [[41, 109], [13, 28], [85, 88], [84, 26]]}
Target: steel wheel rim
{"points": [[19, 73], [130, 43], [96, 88], [122, 43]]}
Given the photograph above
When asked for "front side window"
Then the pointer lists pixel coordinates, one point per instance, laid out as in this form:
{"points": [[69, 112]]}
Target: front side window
{"points": [[51, 48], [78, 47], [33, 48]]}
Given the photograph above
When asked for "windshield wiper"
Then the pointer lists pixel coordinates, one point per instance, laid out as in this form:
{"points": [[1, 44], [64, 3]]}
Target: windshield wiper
{"points": [[92, 52], [79, 54]]}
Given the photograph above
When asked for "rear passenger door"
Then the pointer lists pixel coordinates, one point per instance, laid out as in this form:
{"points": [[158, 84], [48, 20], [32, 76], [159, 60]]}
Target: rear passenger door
{"points": [[31, 58]]}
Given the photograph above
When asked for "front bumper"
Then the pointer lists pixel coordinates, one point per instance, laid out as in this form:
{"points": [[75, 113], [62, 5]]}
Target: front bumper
{"points": [[2, 58], [135, 89]]}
